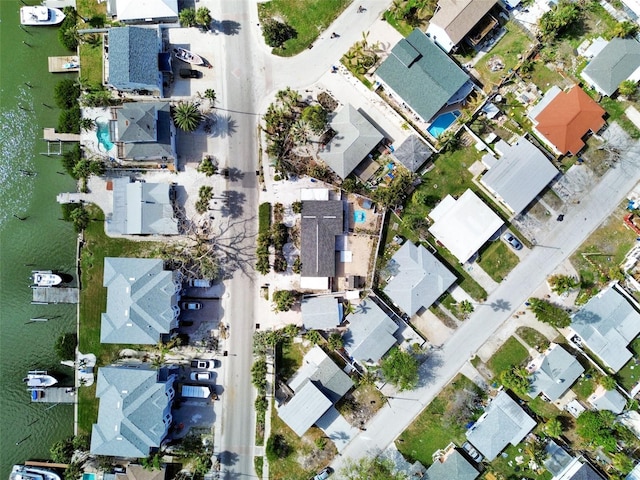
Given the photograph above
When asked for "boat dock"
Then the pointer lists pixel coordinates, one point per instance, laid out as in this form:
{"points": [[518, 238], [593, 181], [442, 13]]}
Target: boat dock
{"points": [[55, 395], [56, 64], [33, 463], [50, 135], [44, 295]]}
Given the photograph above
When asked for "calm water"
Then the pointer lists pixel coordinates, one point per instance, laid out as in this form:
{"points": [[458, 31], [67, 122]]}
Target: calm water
{"points": [[42, 239]]}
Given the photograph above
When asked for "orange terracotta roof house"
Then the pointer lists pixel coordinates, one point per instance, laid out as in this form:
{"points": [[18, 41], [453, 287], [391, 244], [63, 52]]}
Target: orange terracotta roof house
{"points": [[562, 119]]}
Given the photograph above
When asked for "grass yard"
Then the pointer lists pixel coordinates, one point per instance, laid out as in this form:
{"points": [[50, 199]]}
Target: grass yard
{"points": [[586, 385], [289, 358], [533, 338], [506, 467], [629, 375], [91, 55], [511, 354], [497, 259], [515, 42], [544, 77], [401, 26], [438, 424], [308, 17]]}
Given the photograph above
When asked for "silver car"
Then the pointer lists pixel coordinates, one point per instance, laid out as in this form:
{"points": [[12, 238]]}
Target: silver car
{"points": [[513, 241]]}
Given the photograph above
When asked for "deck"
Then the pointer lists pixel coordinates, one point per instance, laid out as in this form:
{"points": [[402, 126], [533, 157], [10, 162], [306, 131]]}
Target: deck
{"points": [[43, 295], [56, 395], [56, 64], [50, 135]]}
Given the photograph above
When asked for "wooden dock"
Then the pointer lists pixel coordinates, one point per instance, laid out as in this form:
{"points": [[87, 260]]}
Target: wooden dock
{"points": [[56, 395], [33, 463], [56, 64], [42, 295], [50, 135]]}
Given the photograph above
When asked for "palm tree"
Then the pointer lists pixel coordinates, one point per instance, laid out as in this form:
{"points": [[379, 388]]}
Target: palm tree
{"points": [[335, 341], [187, 17], [210, 94], [186, 116], [87, 123], [313, 336], [299, 131], [203, 17]]}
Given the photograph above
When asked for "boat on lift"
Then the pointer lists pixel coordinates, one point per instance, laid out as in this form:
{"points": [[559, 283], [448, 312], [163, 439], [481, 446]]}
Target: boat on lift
{"points": [[39, 380], [45, 278], [40, 15], [27, 472]]}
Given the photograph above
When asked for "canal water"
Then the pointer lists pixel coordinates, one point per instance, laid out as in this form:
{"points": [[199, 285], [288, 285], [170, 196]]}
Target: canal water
{"points": [[42, 240]]}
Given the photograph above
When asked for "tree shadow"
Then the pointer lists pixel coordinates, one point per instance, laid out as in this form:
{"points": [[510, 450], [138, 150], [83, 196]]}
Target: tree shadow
{"points": [[222, 126], [236, 247], [233, 204], [233, 174], [500, 305], [226, 27], [228, 458], [428, 367]]}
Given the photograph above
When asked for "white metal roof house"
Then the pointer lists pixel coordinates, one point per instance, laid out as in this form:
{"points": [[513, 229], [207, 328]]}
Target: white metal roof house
{"points": [[370, 333], [417, 279], [520, 174], [143, 11], [603, 399], [321, 313], [553, 373], [464, 225]]}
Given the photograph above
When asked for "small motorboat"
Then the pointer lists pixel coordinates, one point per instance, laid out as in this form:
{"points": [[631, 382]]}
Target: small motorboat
{"points": [[71, 65], [45, 278], [40, 15], [26, 472], [39, 380], [187, 56]]}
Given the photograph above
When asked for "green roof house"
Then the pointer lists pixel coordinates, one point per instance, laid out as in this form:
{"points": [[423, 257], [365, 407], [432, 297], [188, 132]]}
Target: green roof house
{"points": [[617, 62], [421, 75], [135, 410]]}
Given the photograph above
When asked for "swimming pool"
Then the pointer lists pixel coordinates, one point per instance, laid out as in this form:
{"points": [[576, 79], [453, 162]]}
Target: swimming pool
{"points": [[359, 216], [442, 122], [88, 476], [104, 139]]}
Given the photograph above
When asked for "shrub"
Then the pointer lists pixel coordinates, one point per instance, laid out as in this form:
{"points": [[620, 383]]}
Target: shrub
{"points": [[284, 300], [66, 93], [401, 369], [277, 447], [69, 120], [65, 346], [62, 450], [275, 33], [549, 313], [70, 158], [68, 31]]}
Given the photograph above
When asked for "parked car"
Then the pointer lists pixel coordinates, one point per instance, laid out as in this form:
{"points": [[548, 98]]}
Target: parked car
{"points": [[191, 305], [189, 73], [199, 282], [513, 241], [472, 452], [324, 474], [200, 376], [205, 364]]}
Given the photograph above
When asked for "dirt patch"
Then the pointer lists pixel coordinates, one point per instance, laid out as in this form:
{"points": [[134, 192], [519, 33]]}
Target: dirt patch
{"points": [[359, 406]]}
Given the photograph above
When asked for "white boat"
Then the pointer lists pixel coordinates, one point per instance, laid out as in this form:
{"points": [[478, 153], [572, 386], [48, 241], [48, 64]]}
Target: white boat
{"points": [[38, 380], [25, 472], [40, 15], [187, 56], [45, 278]]}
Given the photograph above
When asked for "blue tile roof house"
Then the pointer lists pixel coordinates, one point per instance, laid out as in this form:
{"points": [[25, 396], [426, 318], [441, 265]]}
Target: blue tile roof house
{"points": [[370, 334], [135, 410], [142, 301], [144, 132], [421, 75], [133, 59]]}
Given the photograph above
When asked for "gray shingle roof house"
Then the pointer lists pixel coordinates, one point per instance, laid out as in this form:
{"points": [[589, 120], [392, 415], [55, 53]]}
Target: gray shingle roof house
{"points": [[370, 333], [603, 399], [502, 423], [143, 11], [142, 301], [355, 138], [423, 76], [144, 131], [617, 62], [553, 373], [451, 466], [133, 59], [606, 324], [413, 153], [141, 209], [582, 471], [321, 313], [321, 222], [520, 174], [418, 278], [135, 410]]}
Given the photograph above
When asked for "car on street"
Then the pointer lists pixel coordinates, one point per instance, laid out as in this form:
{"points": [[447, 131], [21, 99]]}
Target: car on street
{"points": [[200, 376], [323, 474], [189, 73], [205, 364], [191, 305], [512, 241], [472, 452]]}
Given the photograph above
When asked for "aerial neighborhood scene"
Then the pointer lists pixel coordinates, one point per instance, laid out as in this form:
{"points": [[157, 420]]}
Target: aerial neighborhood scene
{"points": [[318, 239]]}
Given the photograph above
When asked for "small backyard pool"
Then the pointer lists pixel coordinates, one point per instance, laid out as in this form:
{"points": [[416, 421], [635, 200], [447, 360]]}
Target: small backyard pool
{"points": [[104, 139], [359, 216], [88, 476], [442, 122]]}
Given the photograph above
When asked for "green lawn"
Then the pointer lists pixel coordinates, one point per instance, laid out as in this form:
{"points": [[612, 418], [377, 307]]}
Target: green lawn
{"points": [[437, 425], [629, 375], [289, 358], [497, 259], [401, 26], [533, 338], [543, 77], [91, 55], [506, 467], [308, 17], [511, 354], [584, 387]]}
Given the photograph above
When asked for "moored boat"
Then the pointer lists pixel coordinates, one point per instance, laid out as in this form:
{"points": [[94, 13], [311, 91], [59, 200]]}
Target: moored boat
{"points": [[39, 379], [26, 472], [40, 15], [45, 278], [188, 56]]}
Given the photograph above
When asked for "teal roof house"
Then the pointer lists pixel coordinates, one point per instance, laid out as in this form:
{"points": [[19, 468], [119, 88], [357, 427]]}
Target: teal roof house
{"points": [[134, 415], [617, 62], [142, 301], [420, 74], [132, 59]]}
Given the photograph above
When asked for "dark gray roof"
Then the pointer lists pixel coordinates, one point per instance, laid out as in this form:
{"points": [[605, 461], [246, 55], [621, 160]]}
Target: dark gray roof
{"points": [[305, 408], [137, 122], [354, 139], [133, 411], [370, 333], [520, 175], [133, 58], [502, 423], [422, 74], [418, 278], [145, 128], [613, 65], [586, 472], [412, 153], [321, 313], [558, 370], [141, 209], [452, 466], [321, 222], [317, 367], [607, 324], [141, 301]]}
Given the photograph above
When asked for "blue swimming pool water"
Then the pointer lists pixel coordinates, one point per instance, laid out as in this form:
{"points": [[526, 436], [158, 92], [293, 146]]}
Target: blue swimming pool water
{"points": [[359, 216], [105, 141], [88, 476], [442, 122]]}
